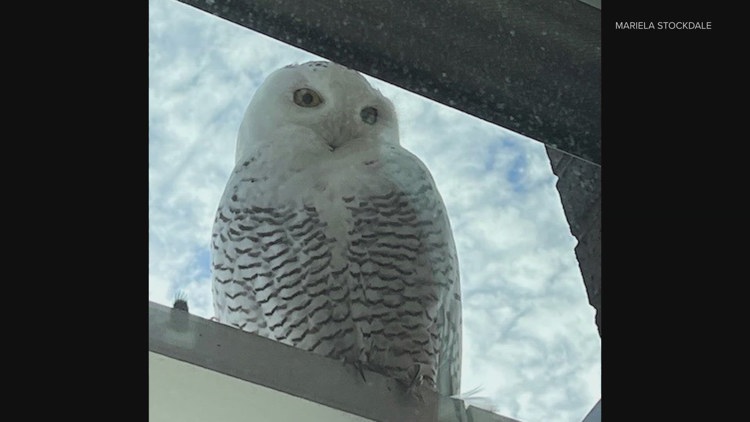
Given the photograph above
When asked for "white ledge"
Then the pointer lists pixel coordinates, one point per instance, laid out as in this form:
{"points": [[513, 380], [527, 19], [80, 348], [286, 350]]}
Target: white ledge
{"points": [[201, 370]]}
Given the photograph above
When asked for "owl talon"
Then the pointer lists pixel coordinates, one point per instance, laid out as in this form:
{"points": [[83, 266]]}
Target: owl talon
{"points": [[412, 388], [416, 379], [360, 369], [358, 366]]}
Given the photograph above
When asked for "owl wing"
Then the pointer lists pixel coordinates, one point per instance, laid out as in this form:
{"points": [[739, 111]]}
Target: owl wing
{"points": [[273, 269], [436, 255]]}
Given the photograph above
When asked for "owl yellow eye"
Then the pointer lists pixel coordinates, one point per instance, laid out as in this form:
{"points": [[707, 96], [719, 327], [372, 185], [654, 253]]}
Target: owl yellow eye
{"points": [[307, 98], [369, 115]]}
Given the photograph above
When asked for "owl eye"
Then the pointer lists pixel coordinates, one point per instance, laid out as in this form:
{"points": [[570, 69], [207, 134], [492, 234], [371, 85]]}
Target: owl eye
{"points": [[307, 98], [369, 115]]}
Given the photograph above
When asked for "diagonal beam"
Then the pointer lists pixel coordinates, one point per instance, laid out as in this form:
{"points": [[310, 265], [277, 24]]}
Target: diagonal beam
{"points": [[532, 66]]}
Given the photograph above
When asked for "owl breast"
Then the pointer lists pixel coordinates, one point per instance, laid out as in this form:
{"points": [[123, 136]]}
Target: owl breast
{"points": [[357, 266]]}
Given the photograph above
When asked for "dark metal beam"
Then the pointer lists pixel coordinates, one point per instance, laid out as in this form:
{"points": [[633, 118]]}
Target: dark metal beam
{"points": [[532, 66]]}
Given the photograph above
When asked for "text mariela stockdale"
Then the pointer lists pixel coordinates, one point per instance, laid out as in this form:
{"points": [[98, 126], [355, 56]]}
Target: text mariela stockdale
{"points": [[663, 25]]}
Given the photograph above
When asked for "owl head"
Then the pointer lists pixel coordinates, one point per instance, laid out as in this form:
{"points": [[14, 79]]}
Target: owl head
{"points": [[319, 109]]}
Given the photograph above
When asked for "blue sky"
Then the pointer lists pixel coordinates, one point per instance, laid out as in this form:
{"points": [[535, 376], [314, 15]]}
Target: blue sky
{"points": [[530, 342]]}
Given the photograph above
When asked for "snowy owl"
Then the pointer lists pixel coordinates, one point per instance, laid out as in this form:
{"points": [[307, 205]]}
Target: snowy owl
{"points": [[333, 238]]}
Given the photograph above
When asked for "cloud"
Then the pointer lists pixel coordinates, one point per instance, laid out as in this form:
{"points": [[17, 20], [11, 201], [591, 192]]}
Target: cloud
{"points": [[530, 341]]}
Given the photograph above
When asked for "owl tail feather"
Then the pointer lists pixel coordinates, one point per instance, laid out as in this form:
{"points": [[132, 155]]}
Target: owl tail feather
{"points": [[472, 398]]}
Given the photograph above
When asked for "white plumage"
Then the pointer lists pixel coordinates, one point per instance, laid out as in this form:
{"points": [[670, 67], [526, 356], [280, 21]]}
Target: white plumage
{"points": [[333, 238]]}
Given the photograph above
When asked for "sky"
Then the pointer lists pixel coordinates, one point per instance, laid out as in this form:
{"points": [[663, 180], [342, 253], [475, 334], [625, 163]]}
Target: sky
{"points": [[530, 344]]}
